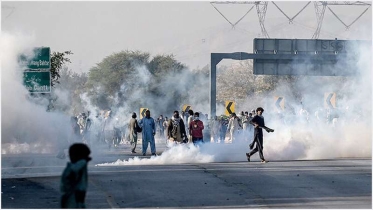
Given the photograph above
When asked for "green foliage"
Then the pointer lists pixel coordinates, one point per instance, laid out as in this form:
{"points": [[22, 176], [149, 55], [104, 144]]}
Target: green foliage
{"points": [[74, 84], [129, 78], [114, 69], [121, 76], [164, 67], [161, 65], [58, 59]]}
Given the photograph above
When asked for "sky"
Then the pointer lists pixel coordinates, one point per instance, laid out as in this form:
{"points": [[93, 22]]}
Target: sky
{"points": [[190, 30]]}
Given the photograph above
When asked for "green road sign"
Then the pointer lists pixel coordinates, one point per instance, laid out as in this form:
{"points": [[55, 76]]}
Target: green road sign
{"points": [[41, 59], [37, 81]]}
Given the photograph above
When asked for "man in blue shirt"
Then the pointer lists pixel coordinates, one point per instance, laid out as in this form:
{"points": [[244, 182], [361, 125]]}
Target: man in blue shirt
{"points": [[148, 132]]}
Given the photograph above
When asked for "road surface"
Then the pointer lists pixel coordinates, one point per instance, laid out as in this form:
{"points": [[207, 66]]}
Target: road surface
{"points": [[32, 181]]}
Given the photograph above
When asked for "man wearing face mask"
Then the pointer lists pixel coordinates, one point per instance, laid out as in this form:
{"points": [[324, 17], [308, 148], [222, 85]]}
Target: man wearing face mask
{"points": [[195, 129], [148, 132], [176, 129]]}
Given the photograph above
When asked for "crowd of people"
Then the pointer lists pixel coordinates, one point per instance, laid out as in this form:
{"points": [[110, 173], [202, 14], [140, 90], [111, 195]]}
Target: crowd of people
{"points": [[235, 125], [179, 129], [186, 127]]}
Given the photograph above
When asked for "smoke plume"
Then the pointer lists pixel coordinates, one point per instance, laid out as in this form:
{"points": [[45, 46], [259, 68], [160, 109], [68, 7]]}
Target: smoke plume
{"points": [[25, 123]]}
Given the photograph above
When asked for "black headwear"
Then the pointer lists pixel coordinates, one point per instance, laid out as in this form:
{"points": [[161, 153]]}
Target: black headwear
{"points": [[260, 108], [79, 151]]}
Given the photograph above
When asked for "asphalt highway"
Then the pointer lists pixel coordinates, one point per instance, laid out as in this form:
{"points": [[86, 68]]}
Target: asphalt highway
{"points": [[32, 181]]}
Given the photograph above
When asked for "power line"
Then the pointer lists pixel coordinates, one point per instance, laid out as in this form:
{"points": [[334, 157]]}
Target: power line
{"points": [[348, 26], [291, 19], [244, 15], [222, 15], [233, 25], [320, 7], [8, 7], [320, 11], [354, 3], [323, 32], [261, 9]]}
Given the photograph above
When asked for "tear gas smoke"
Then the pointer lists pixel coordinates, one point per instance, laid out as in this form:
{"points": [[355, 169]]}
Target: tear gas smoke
{"points": [[349, 135], [178, 154], [189, 153], [26, 126]]}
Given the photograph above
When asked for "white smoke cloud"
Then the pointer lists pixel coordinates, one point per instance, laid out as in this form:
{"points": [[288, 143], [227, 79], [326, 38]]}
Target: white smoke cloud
{"points": [[349, 136], [33, 129], [25, 124], [178, 154]]}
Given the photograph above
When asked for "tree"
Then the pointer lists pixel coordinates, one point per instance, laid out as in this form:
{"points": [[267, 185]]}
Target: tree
{"points": [[74, 85], [161, 65], [166, 75], [236, 82], [115, 77], [58, 60], [129, 78]]}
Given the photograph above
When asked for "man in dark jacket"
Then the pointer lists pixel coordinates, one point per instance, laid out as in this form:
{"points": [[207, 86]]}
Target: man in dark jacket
{"points": [[74, 179], [176, 129], [258, 122]]}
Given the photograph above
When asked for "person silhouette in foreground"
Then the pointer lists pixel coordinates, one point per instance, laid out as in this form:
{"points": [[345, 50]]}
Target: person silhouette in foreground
{"points": [[74, 179]]}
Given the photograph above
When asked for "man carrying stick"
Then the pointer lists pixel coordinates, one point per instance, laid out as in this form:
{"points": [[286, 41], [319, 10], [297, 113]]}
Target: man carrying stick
{"points": [[258, 122]]}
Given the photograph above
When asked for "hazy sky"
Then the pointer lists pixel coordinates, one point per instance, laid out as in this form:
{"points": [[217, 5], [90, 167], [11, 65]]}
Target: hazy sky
{"points": [[190, 30]]}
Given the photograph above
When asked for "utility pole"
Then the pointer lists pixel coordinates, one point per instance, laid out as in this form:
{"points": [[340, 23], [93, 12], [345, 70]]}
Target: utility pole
{"points": [[261, 8], [320, 6], [320, 11]]}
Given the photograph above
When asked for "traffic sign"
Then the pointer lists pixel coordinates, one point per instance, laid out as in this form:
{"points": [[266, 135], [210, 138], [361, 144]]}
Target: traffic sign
{"points": [[330, 100], [142, 112], [280, 103], [41, 59], [37, 81], [186, 107], [229, 107]]}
